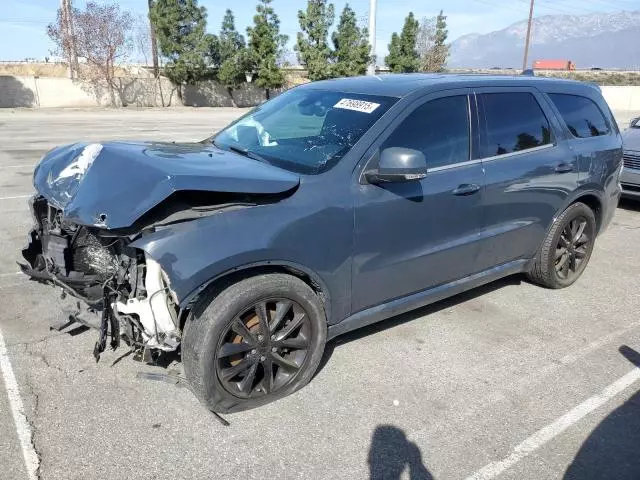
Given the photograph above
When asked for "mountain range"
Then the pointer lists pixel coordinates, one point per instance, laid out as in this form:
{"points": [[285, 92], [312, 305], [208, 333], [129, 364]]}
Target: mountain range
{"points": [[604, 40]]}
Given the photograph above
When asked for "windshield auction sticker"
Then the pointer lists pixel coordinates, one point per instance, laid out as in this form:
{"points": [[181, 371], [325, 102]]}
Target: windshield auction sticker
{"points": [[356, 105]]}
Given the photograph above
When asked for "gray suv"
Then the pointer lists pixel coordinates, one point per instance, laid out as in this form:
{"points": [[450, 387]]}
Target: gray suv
{"points": [[630, 177], [333, 206]]}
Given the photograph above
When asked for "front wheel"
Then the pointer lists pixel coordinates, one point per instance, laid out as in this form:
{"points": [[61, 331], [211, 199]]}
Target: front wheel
{"points": [[566, 249], [256, 341]]}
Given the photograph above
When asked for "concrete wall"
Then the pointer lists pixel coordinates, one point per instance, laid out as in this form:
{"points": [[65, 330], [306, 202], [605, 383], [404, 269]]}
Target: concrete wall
{"points": [[212, 94], [622, 98], [57, 92], [51, 92]]}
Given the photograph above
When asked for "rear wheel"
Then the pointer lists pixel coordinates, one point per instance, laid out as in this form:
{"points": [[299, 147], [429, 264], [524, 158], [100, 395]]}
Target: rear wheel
{"points": [[567, 248], [255, 341]]}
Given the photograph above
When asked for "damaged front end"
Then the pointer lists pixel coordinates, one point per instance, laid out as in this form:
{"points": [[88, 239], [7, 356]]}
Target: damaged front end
{"points": [[125, 291], [94, 201]]}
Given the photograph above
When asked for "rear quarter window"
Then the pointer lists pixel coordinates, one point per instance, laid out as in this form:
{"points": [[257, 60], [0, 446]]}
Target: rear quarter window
{"points": [[581, 114]]}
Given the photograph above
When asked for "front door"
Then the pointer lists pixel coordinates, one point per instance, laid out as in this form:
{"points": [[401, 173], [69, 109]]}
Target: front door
{"points": [[414, 235]]}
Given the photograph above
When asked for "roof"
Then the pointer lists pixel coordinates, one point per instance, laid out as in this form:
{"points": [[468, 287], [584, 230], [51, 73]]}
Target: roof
{"points": [[400, 85]]}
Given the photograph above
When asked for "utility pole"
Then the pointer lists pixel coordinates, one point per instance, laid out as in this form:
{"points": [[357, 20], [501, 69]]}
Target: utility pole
{"points": [[69, 37], [371, 70], [154, 44], [526, 43], [66, 42]]}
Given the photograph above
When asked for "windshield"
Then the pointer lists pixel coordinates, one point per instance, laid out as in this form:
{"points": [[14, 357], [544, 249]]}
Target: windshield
{"points": [[304, 130]]}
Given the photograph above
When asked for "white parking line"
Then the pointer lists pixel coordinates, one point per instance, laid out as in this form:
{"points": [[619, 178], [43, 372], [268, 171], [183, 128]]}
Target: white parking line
{"points": [[15, 196], [548, 433], [23, 429], [19, 166], [9, 274]]}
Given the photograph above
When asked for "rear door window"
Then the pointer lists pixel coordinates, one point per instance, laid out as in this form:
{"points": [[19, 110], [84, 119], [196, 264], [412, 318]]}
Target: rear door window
{"points": [[582, 116], [513, 122], [439, 129]]}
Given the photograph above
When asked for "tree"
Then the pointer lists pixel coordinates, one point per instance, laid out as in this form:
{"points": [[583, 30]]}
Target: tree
{"points": [[230, 40], [266, 47], [441, 49], [392, 60], [425, 39], [142, 38], [180, 30], [431, 46], [101, 35], [233, 58], [403, 56], [352, 52], [312, 46]]}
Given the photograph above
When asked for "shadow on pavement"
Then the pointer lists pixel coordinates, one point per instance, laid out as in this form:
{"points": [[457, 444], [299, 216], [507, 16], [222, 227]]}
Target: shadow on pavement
{"points": [[415, 314], [612, 451], [628, 204], [391, 453]]}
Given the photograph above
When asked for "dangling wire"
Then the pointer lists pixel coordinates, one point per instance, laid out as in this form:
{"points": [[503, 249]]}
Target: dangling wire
{"points": [[108, 322]]}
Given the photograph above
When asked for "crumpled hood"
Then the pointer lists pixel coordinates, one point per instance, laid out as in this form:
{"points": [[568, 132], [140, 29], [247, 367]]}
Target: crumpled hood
{"points": [[113, 184], [631, 139]]}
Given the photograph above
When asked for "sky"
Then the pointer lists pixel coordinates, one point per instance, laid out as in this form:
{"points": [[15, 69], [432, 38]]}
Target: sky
{"points": [[23, 22]]}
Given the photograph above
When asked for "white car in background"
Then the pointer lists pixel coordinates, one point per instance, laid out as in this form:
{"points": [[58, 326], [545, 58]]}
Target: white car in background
{"points": [[630, 177]]}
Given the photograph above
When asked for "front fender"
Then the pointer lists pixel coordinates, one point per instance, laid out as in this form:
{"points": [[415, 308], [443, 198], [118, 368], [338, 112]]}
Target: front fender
{"points": [[316, 241]]}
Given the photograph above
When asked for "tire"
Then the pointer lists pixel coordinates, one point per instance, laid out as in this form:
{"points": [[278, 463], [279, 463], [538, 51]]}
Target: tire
{"points": [[545, 269], [210, 333]]}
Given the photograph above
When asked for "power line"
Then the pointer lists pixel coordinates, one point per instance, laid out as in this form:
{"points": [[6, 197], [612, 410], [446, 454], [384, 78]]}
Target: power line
{"points": [[28, 22], [562, 9], [609, 4], [495, 5]]}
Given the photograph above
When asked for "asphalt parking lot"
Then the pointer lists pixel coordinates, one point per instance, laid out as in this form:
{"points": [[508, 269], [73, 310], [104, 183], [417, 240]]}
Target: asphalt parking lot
{"points": [[510, 381]]}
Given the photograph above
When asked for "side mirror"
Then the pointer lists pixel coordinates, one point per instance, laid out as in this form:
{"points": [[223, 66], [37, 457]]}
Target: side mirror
{"points": [[398, 164]]}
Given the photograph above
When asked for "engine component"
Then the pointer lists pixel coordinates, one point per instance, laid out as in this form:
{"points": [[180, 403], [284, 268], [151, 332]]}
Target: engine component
{"points": [[154, 312], [92, 257]]}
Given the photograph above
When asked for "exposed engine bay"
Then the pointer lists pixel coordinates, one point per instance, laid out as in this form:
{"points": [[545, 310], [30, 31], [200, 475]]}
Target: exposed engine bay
{"points": [[126, 292]]}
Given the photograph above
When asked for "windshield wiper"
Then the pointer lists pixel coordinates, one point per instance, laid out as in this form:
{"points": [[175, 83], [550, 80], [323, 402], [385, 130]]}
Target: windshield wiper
{"points": [[240, 150], [247, 153]]}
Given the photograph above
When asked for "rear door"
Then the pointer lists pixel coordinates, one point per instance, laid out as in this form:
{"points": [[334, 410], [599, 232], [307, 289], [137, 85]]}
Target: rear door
{"points": [[529, 171]]}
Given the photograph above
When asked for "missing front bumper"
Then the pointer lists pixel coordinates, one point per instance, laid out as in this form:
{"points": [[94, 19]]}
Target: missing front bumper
{"points": [[125, 290]]}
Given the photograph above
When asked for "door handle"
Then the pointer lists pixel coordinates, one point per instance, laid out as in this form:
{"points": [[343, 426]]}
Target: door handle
{"points": [[564, 168], [466, 189]]}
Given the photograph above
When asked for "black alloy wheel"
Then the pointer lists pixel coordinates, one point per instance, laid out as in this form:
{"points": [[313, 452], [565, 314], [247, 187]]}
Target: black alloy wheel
{"points": [[254, 341], [566, 249], [263, 348], [574, 244]]}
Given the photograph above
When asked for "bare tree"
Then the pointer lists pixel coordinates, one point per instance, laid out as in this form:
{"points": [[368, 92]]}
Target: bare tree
{"points": [[142, 38], [430, 43], [102, 36], [426, 38]]}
